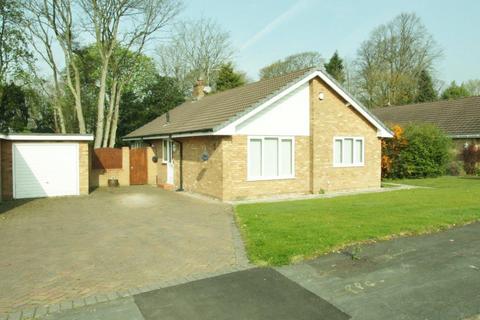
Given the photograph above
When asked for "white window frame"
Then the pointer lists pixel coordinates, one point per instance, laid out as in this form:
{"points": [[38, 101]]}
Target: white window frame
{"points": [[279, 177], [355, 163], [168, 144]]}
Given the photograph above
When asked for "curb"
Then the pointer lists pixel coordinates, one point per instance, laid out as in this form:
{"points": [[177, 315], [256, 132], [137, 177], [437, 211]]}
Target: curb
{"points": [[40, 311]]}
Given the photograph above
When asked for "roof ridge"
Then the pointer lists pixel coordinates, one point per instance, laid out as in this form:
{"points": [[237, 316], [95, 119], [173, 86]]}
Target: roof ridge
{"points": [[301, 72], [427, 102]]}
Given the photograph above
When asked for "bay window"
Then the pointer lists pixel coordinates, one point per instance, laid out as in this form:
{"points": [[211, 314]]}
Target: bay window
{"points": [[348, 151], [270, 158]]}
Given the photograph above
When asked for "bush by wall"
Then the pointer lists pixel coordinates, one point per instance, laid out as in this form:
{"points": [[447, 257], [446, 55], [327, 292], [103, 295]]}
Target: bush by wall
{"points": [[471, 157], [417, 151]]}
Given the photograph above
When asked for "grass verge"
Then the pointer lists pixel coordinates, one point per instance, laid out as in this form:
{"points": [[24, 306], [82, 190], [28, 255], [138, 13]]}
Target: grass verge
{"points": [[284, 232]]}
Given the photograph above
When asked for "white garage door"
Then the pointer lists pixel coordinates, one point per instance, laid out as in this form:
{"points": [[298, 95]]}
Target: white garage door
{"points": [[44, 169]]}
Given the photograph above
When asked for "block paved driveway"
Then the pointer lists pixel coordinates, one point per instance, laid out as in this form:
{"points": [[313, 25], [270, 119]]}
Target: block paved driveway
{"points": [[57, 249]]}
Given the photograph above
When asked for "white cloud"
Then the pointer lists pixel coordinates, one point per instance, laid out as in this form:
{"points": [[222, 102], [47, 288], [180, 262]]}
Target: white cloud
{"points": [[291, 11]]}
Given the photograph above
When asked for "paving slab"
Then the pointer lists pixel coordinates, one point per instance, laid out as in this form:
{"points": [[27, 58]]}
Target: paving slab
{"points": [[251, 294], [69, 248], [433, 276], [120, 309]]}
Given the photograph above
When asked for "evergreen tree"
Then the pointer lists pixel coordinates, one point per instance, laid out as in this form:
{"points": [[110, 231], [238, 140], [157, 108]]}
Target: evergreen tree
{"points": [[426, 92], [228, 78], [335, 67], [13, 109], [455, 91]]}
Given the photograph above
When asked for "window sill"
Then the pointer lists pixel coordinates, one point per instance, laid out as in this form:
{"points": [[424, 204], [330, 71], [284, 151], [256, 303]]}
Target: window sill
{"points": [[251, 179], [349, 165]]}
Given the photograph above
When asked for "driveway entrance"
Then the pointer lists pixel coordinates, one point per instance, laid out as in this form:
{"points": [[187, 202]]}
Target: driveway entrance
{"points": [[56, 249]]}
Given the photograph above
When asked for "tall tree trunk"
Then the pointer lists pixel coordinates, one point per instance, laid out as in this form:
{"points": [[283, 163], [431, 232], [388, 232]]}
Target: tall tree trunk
{"points": [[78, 102], [55, 120], [113, 132], [58, 112], [111, 106], [101, 105]]}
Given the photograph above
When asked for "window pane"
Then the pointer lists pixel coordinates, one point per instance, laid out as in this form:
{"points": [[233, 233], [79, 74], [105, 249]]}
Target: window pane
{"points": [[286, 158], [271, 157], [348, 159], [338, 151], [359, 151], [255, 158]]}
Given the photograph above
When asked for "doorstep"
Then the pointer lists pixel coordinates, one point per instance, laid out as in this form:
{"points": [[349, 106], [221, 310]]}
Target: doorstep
{"points": [[167, 186]]}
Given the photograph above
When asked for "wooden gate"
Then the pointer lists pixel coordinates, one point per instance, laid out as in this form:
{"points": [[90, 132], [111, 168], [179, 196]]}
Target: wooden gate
{"points": [[138, 166]]}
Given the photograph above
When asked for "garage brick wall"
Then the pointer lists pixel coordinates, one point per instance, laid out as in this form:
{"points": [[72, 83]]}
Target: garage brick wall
{"points": [[6, 168], [84, 162]]}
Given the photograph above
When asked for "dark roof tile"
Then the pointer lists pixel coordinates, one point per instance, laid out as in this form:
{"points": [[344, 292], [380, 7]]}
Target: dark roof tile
{"points": [[459, 117], [216, 109]]}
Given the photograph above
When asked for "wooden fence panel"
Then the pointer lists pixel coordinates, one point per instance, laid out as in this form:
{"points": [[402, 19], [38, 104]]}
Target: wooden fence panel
{"points": [[107, 158]]}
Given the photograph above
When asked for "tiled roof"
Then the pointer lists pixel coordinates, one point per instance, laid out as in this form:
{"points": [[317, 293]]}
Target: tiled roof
{"points": [[216, 109], [457, 118]]}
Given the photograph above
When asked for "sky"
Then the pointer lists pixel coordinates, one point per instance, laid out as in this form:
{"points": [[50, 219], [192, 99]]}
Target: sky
{"points": [[263, 31]]}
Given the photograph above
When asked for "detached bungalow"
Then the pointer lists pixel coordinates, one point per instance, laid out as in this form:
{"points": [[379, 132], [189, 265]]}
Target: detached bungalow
{"points": [[300, 133]]}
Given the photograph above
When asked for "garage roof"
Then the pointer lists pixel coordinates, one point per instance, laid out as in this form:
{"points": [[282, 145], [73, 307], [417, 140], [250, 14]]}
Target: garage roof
{"points": [[46, 137]]}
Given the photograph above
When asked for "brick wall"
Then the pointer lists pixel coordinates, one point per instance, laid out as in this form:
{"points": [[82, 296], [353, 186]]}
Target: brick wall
{"points": [[314, 170], [99, 177], [6, 168], [200, 176], [237, 187], [84, 163], [329, 118]]}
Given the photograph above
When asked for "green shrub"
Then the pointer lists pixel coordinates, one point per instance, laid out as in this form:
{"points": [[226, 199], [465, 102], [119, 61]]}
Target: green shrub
{"points": [[425, 153]]}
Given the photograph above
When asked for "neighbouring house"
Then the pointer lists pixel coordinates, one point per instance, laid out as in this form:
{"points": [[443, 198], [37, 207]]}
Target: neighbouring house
{"points": [[300, 133], [43, 165], [459, 119]]}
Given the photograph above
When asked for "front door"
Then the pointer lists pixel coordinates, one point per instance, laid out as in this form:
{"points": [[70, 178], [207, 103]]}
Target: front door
{"points": [[138, 166], [168, 159]]}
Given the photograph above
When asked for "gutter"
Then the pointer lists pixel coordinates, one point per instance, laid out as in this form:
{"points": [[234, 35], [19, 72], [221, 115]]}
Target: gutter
{"points": [[171, 135], [465, 136], [181, 164]]}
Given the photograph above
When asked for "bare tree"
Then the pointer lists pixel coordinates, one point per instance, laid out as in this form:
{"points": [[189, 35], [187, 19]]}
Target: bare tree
{"points": [[128, 22], [197, 49], [389, 63], [473, 86], [41, 39], [54, 17], [292, 63], [15, 56]]}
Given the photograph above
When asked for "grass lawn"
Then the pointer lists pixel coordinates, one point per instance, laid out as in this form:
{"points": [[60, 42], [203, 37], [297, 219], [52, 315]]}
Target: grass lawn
{"points": [[282, 232]]}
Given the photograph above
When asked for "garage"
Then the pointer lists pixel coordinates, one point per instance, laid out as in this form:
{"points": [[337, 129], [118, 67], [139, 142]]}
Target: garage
{"points": [[46, 165]]}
